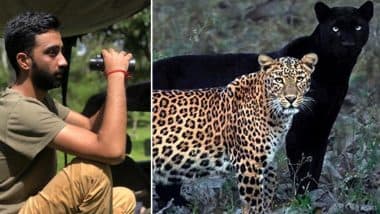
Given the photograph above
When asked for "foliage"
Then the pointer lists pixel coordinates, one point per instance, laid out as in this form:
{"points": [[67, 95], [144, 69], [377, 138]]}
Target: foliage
{"points": [[302, 202]]}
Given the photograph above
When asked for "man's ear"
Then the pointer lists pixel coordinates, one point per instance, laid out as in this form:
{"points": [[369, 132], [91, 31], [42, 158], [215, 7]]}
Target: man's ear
{"points": [[24, 61]]}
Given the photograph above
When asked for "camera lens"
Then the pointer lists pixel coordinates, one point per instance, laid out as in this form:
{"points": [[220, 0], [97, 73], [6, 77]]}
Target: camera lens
{"points": [[97, 64]]}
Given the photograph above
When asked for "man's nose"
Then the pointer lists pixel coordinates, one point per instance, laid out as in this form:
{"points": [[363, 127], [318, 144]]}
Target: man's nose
{"points": [[62, 62]]}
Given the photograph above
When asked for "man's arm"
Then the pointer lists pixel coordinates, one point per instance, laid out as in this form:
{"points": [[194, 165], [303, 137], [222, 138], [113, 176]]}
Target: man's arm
{"points": [[108, 145], [90, 123]]}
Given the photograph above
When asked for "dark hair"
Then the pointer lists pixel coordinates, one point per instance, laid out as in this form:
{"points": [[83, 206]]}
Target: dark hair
{"points": [[20, 33]]}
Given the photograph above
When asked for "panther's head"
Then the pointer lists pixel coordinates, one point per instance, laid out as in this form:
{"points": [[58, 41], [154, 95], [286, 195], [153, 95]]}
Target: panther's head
{"points": [[287, 80], [343, 31]]}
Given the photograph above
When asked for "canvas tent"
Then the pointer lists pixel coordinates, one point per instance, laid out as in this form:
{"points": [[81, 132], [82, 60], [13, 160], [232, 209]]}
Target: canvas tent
{"points": [[77, 16]]}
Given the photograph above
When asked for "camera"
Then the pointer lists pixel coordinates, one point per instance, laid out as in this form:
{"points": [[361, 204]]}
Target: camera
{"points": [[97, 64]]}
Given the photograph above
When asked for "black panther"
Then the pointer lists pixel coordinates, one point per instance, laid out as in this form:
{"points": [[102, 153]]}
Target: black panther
{"points": [[337, 40]]}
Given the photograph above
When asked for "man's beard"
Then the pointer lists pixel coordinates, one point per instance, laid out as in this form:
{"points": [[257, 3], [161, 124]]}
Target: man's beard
{"points": [[44, 80]]}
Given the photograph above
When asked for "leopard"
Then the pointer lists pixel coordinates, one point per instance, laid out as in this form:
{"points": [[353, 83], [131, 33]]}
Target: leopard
{"points": [[338, 38], [239, 128]]}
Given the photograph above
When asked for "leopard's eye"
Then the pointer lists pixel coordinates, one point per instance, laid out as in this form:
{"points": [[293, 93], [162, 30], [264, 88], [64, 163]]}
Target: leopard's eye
{"points": [[335, 29], [358, 28], [278, 80], [300, 78]]}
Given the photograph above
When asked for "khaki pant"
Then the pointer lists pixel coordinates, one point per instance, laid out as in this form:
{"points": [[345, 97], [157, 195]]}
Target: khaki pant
{"points": [[81, 187]]}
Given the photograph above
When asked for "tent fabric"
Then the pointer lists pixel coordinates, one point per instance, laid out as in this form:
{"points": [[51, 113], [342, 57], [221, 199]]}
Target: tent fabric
{"points": [[77, 16]]}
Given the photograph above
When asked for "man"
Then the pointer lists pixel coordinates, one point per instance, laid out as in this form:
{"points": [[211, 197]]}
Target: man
{"points": [[33, 126]]}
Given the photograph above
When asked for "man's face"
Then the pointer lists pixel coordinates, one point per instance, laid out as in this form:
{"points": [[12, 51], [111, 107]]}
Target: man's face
{"points": [[48, 61]]}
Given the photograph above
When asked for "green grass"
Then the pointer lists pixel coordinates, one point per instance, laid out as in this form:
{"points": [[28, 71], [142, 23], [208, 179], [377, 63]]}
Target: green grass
{"points": [[140, 136], [302, 202]]}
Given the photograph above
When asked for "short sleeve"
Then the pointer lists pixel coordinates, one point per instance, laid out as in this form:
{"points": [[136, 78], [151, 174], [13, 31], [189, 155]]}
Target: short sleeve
{"points": [[63, 111], [31, 127], [56, 107]]}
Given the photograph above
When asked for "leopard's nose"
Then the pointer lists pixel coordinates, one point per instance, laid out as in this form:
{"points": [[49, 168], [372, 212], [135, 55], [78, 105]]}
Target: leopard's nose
{"points": [[290, 98]]}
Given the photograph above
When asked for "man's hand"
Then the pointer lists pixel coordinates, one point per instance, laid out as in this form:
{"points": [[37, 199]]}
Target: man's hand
{"points": [[115, 60]]}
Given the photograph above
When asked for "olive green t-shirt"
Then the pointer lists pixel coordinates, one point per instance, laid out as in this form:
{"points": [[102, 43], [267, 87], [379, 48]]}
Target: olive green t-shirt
{"points": [[27, 126]]}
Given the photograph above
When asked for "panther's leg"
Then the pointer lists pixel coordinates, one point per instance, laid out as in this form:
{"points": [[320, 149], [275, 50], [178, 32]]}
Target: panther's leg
{"points": [[308, 137], [316, 165], [306, 165]]}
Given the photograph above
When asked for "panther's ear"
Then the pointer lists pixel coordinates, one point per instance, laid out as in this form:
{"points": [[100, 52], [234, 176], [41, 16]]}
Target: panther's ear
{"points": [[366, 11], [322, 11], [310, 60], [265, 61]]}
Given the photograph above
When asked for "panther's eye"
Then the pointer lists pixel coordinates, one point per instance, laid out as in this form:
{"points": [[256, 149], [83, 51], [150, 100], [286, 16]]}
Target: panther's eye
{"points": [[335, 29], [278, 80], [357, 28], [300, 78]]}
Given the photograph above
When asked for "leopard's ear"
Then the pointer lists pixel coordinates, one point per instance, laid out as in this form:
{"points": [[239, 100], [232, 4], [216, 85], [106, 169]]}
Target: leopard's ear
{"points": [[265, 61], [322, 11], [310, 60]]}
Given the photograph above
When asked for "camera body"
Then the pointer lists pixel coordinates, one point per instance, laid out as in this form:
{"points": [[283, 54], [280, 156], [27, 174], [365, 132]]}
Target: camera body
{"points": [[97, 64]]}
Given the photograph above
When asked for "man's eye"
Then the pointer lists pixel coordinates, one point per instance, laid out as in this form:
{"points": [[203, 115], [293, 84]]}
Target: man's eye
{"points": [[52, 53]]}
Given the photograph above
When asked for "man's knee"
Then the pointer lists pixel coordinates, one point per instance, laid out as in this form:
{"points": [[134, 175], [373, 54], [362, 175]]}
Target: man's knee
{"points": [[85, 185], [124, 200], [91, 170]]}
